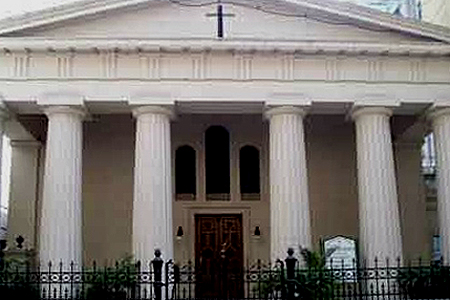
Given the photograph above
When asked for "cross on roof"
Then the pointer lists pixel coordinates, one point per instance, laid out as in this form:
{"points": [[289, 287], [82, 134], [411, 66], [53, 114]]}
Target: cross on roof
{"points": [[220, 15]]}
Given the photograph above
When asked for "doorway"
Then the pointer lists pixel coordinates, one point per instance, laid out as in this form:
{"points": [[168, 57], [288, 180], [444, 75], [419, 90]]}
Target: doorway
{"points": [[219, 256]]}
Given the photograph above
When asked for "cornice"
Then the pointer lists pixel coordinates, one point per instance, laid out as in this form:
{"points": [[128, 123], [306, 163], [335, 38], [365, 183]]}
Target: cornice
{"points": [[30, 45]]}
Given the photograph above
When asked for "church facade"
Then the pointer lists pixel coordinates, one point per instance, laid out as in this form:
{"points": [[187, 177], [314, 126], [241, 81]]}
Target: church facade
{"points": [[242, 127]]}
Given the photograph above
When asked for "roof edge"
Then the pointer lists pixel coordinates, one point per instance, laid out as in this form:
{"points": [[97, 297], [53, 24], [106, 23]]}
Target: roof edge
{"points": [[61, 13]]}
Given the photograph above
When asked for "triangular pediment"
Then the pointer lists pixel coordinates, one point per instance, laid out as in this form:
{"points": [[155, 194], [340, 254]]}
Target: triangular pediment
{"points": [[300, 20]]}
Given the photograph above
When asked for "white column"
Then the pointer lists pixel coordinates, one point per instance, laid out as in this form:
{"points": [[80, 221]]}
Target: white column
{"points": [[379, 219], [152, 204], [61, 219], [441, 129], [289, 203]]}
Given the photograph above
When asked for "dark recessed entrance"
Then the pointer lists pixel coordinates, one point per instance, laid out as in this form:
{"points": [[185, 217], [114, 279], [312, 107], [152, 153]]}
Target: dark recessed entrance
{"points": [[219, 256]]}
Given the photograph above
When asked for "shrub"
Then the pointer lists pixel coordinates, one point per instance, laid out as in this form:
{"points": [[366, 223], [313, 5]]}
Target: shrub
{"points": [[425, 282], [315, 281], [112, 282], [16, 280]]}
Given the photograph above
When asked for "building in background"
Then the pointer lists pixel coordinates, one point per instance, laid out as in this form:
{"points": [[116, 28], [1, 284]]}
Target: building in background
{"points": [[436, 12], [431, 11], [405, 8]]}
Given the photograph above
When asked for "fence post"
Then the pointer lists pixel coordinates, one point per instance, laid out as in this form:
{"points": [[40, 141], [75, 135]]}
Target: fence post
{"points": [[157, 263], [291, 262]]}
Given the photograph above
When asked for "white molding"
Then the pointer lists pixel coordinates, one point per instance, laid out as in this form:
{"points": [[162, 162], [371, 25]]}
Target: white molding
{"points": [[289, 99], [241, 45], [60, 98], [155, 98], [21, 97], [21, 65], [377, 99], [287, 67], [65, 65], [220, 66]]}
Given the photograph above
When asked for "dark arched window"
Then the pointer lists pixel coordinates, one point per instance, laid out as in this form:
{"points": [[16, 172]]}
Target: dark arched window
{"points": [[185, 179], [217, 160], [249, 172]]}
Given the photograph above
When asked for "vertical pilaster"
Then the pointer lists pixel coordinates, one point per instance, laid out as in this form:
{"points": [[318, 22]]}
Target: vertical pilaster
{"points": [[3, 212], [379, 219], [441, 129], [289, 202], [61, 223], [23, 192], [152, 205]]}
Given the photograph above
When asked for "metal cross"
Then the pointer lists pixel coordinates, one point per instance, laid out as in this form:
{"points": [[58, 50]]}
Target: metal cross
{"points": [[220, 15]]}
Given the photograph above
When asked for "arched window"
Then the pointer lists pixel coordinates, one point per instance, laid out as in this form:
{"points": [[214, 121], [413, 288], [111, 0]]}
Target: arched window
{"points": [[217, 161], [185, 174], [249, 173]]}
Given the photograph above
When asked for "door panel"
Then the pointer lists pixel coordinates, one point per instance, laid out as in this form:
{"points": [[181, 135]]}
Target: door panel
{"points": [[219, 256]]}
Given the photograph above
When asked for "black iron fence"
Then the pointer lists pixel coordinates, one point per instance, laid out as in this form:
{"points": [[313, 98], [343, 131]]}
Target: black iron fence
{"points": [[285, 279]]}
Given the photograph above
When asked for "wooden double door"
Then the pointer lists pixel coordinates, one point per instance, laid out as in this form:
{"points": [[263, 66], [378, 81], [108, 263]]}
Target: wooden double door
{"points": [[219, 256]]}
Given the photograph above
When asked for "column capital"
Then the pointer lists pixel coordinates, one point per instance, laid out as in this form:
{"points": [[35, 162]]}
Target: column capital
{"points": [[153, 109], [371, 110], [63, 109], [285, 110], [436, 112]]}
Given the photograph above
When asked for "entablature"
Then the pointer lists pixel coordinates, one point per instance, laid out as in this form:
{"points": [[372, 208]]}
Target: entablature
{"points": [[227, 61]]}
